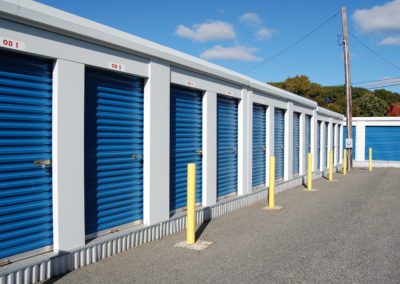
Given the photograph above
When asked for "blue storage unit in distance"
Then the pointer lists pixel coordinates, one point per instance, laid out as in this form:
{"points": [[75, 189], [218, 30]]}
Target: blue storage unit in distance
{"points": [[318, 153], [185, 143], [227, 146], [279, 143], [384, 141], [26, 210], [113, 150], [296, 143], [259, 145], [354, 139]]}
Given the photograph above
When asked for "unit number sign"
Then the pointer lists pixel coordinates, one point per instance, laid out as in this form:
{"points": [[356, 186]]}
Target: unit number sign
{"points": [[12, 43], [116, 66]]}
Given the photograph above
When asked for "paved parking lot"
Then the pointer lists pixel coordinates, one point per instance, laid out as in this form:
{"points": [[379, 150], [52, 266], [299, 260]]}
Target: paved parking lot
{"points": [[348, 232]]}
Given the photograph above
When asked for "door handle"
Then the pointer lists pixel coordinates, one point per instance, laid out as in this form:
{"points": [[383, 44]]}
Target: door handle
{"points": [[235, 150], [137, 157], [42, 163], [199, 152]]}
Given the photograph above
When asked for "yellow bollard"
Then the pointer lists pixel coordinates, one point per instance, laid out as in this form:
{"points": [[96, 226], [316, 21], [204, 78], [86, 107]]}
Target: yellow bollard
{"points": [[309, 172], [345, 162], [271, 191], [370, 159], [330, 165], [191, 204]]}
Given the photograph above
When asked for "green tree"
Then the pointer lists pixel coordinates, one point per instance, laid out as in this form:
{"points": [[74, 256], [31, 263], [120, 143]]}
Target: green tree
{"points": [[369, 105]]}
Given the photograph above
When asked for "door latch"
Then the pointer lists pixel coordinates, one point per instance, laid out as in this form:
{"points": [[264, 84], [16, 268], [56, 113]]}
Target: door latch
{"points": [[137, 157], [235, 150], [42, 163], [199, 152]]}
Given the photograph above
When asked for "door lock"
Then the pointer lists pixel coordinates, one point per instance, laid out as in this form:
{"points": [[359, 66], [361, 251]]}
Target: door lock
{"points": [[42, 163], [137, 157], [199, 152], [235, 150]]}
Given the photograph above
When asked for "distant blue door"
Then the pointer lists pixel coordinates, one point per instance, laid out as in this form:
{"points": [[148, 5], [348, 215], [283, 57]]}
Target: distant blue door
{"points": [[26, 216], [296, 143], [384, 141], [259, 144], [186, 143], [307, 141], [227, 145], [279, 143], [318, 153], [113, 149]]}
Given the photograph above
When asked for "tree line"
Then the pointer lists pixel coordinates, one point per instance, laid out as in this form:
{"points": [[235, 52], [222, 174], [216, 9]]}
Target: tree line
{"points": [[379, 102]]}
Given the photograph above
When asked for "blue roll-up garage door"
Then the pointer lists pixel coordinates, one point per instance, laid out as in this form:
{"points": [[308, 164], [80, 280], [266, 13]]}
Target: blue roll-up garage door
{"points": [[25, 161], [384, 141], [307, 141], [296, 143], [259, 144], [353, 132], [279, 143], [318, 153], [186, 143], [325, 152], [113, 150], [227, 145]]}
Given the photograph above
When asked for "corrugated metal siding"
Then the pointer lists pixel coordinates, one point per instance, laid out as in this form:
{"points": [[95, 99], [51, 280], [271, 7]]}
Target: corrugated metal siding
{"points": [[385, 143], [113, 149], [296, 143], [279, 143], [325, 152], [307, 141], [186, 143], [318, 153], [259, 145], [227, 145], [25, 137], [354, 139]]}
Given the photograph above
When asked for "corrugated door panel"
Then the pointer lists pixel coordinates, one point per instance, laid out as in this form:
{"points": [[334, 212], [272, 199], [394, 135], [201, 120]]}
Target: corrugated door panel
{"points": [[113, 149], [279, 141], [318, 153], [325, 152], [186, 143], [385, 143], [26, 221], [338, 145], [296, 143], [259, 144], [227, 145], [354, 139], [307, 141]]}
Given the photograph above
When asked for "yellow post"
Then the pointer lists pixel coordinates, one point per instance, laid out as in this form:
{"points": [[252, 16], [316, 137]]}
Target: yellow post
{"points": [[345, 162], [331, 165], [309, 172], [370, 159], [271, 191], [191, 204]]}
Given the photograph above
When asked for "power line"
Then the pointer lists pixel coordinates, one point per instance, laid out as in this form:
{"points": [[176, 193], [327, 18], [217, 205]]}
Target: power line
{"points": [[384, 86], [293, 44], [377, 80], [375, 53]]}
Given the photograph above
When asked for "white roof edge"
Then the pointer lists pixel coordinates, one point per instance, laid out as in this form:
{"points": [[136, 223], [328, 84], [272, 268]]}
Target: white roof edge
{"points": [[327, 112], [381, 118], [59, 21]]}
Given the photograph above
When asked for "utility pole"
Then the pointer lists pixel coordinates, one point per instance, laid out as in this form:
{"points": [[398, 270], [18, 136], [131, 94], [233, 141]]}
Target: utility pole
{"points": [[349, 110]]}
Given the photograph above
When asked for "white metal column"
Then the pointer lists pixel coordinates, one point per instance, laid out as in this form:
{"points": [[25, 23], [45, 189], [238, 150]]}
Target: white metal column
{"points": [[288, 174], [68, 155]]}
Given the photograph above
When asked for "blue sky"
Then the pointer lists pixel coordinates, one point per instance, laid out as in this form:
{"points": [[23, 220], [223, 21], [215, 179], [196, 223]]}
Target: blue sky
{"points": [[239, 35]]}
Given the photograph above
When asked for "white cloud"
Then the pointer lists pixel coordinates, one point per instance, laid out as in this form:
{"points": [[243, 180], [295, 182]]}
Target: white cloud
{"points": [[382, 18], [241, 53], [207, 31], [250, 18], [390, 40], [263, 33]]}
